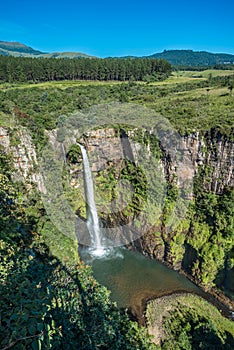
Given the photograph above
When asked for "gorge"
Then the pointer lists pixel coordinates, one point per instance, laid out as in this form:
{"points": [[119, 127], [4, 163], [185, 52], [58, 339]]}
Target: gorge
{"points": [[148, 243], [210, 151], [168, 203]]}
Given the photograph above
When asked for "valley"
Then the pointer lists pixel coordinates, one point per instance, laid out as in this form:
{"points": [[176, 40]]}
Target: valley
{"points": [[177, 194]]}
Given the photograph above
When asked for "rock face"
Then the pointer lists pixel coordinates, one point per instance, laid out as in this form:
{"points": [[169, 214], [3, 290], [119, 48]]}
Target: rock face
{"points": [[4, 139], [213, 150], [19, 144], [103, 145], [109, 148], [193, 151], [180, 164], [210, 151]]}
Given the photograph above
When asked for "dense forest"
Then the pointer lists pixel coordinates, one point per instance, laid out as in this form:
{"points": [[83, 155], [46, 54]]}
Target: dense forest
{"points": [[21, 69]]}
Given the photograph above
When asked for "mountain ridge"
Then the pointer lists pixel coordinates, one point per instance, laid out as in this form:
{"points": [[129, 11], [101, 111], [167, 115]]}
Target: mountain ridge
{"points": [[16, 49], [194, 58], [176, 57]]}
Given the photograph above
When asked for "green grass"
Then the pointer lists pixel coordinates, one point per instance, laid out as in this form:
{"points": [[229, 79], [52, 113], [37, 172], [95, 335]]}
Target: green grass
{"points": [[203, 74], [202, 307], [6, 121], [190, 104], [197, 110], [179, 77], [56, 84]]}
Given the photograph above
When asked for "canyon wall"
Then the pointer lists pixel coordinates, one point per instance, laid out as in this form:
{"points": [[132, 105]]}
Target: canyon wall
{"points": [[205, 160]]}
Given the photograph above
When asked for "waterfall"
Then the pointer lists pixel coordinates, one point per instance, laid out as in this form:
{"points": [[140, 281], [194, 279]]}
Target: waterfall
{"points": [[64, 153], [92, 215]]}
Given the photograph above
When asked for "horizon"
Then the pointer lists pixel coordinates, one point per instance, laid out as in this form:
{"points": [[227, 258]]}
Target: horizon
{"points": [[165, 49], [125, 29]]}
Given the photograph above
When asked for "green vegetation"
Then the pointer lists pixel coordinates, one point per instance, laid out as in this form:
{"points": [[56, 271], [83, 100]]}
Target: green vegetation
{"points": [[48, 297], [211, 231], [188, 322], [131, 191], [191, 104], [194, 58]]}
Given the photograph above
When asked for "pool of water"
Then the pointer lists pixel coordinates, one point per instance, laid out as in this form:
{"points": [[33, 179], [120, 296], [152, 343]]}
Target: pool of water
{"points": [[133, 278]]}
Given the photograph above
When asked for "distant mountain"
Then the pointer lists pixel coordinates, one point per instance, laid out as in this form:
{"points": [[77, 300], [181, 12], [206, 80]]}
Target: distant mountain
{"points": [[20, 50], [194, 58], [17, 49], [65, 55], [175, 57]]}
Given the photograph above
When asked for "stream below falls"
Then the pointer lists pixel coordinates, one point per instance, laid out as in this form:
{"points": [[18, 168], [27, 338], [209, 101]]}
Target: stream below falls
{"points": [[133, 278]]}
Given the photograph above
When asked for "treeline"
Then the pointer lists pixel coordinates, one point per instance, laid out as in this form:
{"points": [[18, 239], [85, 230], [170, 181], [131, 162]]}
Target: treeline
{"points": [[21, 69]]}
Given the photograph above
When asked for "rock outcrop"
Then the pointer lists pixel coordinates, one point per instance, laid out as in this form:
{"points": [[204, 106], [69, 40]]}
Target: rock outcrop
{"points": [[19, 144]]}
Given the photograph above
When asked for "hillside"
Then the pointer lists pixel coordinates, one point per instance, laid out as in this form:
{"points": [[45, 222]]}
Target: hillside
{"points": [[175, 57], [66, 55], [20, 50], [17, 49], [194, 58]]}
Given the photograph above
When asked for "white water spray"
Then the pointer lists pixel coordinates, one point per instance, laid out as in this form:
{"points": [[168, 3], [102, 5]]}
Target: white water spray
{"points": [[92, 216], [64, 154]]}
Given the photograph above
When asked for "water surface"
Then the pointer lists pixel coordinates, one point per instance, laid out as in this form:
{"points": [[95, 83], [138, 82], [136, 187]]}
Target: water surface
{"points": [[133, 278]]}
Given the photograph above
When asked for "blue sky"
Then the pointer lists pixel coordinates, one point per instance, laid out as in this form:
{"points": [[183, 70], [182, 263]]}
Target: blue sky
{"points": [[115, 28]]}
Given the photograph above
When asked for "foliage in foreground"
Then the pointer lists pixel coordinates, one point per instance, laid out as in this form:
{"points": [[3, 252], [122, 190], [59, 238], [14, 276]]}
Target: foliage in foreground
{"points": [[45, 304]]}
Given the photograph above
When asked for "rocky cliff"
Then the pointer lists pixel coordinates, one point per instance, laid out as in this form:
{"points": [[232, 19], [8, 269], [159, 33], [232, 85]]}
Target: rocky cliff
{"points": [[19, 145], [201, 242], [202, 237]]}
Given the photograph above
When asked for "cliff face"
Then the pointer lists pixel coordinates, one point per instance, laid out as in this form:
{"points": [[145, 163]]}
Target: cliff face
{"points": [[211, 150], [206, 160], [103, 146], [214, 151], [211, 155], [202, 241], [18, 144]]}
